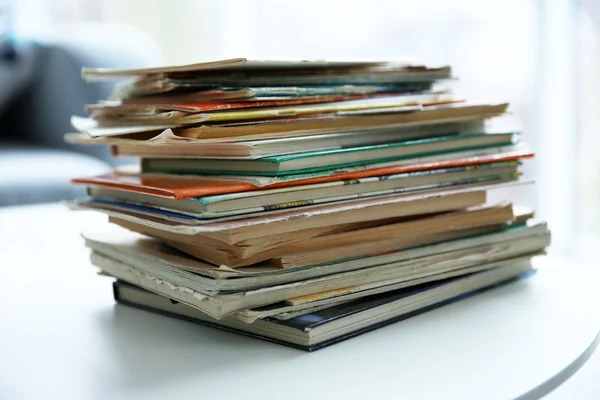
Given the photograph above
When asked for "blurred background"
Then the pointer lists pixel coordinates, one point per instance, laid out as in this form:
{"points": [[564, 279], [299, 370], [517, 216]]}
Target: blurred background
{"points": [[542, 56]]}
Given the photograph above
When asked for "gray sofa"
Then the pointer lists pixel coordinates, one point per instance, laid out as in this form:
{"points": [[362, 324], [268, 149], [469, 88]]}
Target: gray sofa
{"points": [[40, 88]]}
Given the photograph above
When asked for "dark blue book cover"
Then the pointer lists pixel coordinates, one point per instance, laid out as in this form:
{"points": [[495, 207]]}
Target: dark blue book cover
{"points": [[306, 322]]}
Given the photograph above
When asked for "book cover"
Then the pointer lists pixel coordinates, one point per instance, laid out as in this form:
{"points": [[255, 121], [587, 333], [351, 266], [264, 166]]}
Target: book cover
{"points": [[278, 109], [311, 91], [324, 160], [184, 187], [244, 64], [239, 195], [132, 109], [303, 323], [511, 136], [297, 125], [264, 209], [393, 74], [316, 109]]}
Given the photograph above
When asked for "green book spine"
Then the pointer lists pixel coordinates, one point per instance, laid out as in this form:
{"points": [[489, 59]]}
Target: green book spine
{"points": [[307, 172]]}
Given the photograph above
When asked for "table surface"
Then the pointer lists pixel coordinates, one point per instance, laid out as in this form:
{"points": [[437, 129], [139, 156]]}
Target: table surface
{"points": [[63, 336]]}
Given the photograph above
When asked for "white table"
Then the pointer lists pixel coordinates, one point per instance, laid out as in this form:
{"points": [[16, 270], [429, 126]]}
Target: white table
{"points": [[63, 337]]}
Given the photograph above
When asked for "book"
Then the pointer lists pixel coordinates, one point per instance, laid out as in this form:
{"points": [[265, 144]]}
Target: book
{"points": [[257, 93], [334, 324], [184, 287], [475, 233], [368, 248], [402, 230], [233, 231], [291, 126], [184, 187], [210, 79], [302, 163], [139, 251], [293, 196], [146, 83], [167, 141], [187, 113], [118, 109], [400, 104], [169, 145], [243, 64], [147, 87], [123, 90], [330, 123], [175, 214]]}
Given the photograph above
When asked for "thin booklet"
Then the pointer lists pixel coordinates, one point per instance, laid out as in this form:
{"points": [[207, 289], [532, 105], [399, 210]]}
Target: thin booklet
{"points": [[302, 163]]}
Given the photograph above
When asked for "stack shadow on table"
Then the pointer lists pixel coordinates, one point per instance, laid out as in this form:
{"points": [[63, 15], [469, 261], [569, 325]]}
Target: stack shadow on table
{"points": [[303, 202]]}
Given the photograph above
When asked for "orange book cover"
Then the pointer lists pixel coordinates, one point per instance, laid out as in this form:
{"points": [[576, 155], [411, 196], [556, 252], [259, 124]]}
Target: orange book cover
{"points": [[183, 187]]}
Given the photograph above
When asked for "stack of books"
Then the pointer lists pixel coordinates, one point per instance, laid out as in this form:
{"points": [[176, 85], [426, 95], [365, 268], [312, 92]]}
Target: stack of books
{"points": [[303, 202]]}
